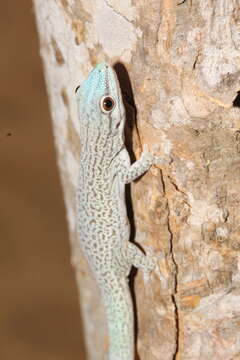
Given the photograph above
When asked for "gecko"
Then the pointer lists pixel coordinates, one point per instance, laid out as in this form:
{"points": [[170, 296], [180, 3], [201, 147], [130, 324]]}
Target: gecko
{"points": [[102, 223]]}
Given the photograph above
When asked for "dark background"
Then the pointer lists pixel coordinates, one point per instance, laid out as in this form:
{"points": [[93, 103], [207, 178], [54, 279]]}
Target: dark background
{"points": [[39, 313]]}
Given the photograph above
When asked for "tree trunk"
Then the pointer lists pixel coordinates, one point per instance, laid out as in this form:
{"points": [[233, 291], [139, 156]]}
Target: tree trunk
{"points": [[183, 61]]}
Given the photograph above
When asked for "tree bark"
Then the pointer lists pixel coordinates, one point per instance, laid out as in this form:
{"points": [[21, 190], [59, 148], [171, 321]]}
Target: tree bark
{"points": [[183, 61]]}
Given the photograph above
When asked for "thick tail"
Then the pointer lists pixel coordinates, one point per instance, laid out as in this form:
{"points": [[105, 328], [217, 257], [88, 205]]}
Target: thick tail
{"points": [[119, 311]]}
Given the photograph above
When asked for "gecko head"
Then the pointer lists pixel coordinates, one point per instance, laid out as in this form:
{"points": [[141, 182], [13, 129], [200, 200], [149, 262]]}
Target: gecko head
{"points": [[100, 102]]}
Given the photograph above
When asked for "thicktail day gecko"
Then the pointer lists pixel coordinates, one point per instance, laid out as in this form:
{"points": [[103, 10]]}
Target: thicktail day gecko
{"points": [[103, 227]]}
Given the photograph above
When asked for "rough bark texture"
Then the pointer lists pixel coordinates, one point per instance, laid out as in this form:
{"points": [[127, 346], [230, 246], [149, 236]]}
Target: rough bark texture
{"points": [[183, 59]]}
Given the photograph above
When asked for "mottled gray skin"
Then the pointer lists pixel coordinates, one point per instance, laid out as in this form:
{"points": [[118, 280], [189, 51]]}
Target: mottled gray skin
{"points": [[103, 225]]}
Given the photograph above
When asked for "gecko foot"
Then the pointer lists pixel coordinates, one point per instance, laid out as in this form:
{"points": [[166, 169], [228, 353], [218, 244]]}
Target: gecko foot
{"points": [[139, 259]]}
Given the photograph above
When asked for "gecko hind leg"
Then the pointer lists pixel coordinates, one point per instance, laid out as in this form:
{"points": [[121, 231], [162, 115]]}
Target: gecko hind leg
{"points": [[139, 259]]}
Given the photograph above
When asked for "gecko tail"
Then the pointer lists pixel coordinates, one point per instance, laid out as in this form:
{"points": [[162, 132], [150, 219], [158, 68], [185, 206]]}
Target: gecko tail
{"points": [[119, 310]]}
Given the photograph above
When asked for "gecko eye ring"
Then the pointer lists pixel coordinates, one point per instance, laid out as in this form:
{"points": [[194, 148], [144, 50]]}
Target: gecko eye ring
{"points": [[107, 104]]}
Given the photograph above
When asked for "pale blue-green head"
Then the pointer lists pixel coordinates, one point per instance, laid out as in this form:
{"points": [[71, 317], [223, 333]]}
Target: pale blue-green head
{"points": [[100, 102]]}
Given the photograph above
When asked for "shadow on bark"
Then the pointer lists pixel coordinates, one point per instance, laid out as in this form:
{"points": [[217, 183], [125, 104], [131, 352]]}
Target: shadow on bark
{"points": [[236, 101], [131, 123]]}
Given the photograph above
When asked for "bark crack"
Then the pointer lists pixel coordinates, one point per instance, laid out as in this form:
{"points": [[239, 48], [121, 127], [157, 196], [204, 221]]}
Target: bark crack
{"points": [[174, 295], [117, 12], [175, 287], [181, 2], [175, 354]]}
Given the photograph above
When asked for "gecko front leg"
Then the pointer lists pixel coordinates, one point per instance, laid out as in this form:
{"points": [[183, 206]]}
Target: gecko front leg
{"points": [[128, 173], [139, 259]]}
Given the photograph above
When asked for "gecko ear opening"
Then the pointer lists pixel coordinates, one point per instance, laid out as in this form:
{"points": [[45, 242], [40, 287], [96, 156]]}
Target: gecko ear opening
{"points": [[77, 89]]}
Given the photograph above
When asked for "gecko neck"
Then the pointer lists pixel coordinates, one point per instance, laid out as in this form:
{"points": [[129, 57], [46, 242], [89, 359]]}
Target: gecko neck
{"points": [[103, 144]]}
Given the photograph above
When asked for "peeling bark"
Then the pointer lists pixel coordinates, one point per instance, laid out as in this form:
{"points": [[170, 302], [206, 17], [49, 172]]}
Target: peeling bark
{"points": [[183, 60]]}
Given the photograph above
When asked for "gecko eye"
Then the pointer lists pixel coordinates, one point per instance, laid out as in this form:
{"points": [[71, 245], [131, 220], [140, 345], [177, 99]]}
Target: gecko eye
{"points": [[107, 104], [77, 89]]}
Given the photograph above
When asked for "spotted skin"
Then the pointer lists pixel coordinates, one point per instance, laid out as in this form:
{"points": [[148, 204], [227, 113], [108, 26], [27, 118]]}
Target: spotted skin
{"points": [[103, 227]]}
